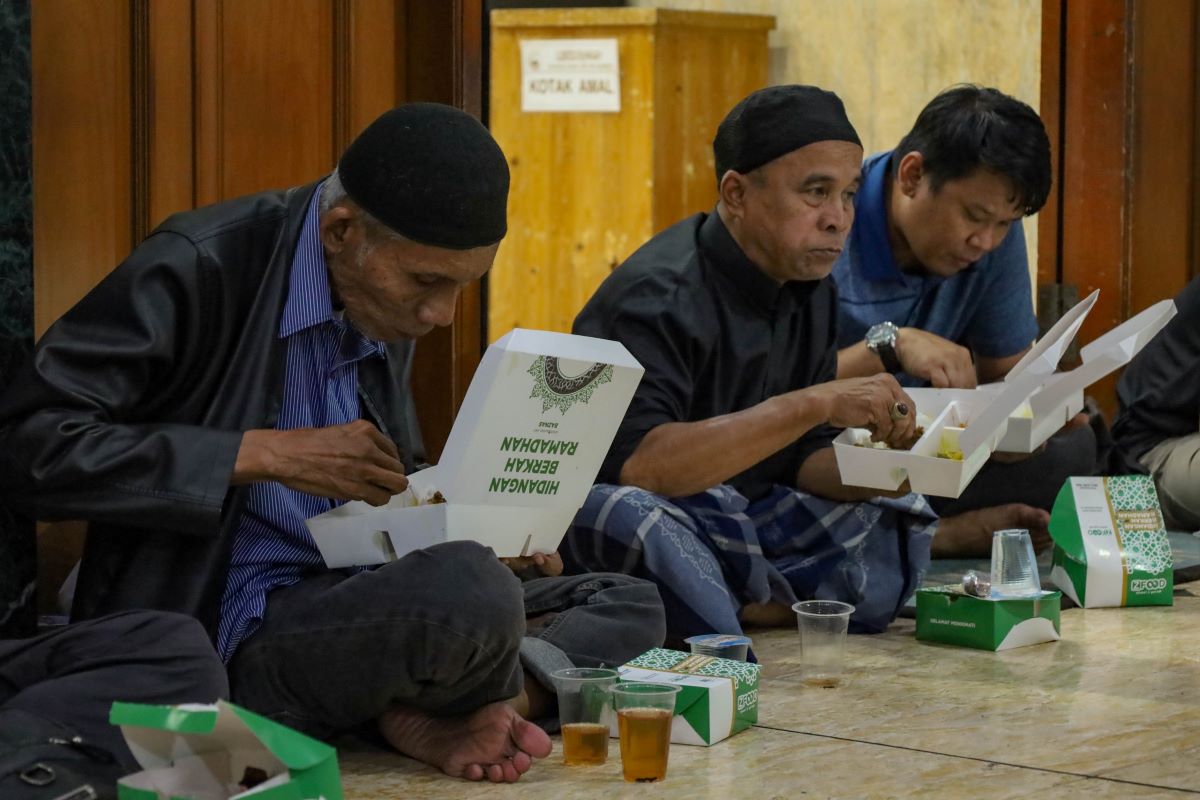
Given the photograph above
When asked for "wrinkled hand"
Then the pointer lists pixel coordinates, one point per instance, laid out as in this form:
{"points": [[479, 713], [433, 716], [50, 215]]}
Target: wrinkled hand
{"points": [[550, 565], [867, 403], [353, 461], [928, 356]]}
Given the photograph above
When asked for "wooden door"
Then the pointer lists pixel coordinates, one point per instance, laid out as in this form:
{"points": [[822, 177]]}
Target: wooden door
{"points": [[1121, 100], [144, 108]]}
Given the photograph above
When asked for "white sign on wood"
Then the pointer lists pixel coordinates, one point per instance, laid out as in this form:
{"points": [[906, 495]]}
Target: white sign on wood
{"points": [[570, 75]]}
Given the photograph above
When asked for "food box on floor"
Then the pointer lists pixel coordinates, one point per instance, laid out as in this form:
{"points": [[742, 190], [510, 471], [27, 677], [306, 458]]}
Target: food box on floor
{"points": [[948, 615], [525, 449], [1110, 544], [203, 752], [717, 697]]}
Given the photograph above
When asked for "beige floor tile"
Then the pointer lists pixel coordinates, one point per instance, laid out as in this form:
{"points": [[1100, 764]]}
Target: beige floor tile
{"points": [[1091, 703], [761, 764]]}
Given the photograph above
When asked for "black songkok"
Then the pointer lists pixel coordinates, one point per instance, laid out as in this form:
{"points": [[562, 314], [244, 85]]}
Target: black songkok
{"points": [[775, 121], [431, 173]]}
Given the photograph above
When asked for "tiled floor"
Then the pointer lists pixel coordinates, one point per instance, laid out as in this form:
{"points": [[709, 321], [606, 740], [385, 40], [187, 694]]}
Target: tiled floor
{"points": [[1111, 711]]}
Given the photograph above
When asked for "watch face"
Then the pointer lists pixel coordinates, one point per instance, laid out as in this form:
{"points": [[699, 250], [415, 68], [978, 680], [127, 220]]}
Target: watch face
{"points": [[883, 333]]}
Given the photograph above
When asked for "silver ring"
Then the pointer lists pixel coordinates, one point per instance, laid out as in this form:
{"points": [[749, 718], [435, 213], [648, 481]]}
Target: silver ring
{"points": [[898, 410]]}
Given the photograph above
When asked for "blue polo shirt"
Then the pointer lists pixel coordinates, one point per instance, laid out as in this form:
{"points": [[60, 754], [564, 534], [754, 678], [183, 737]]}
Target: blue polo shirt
{"points": [[988, 307]]}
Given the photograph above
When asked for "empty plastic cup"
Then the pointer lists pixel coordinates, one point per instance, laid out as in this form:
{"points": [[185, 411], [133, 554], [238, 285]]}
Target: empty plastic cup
{"points": [[585, 711], [1014, 567], [823, 625], [720, 645]]}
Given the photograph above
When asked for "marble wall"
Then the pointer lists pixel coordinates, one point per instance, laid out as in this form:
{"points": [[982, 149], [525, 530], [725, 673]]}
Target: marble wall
{"points": [[16, 202], [887, 58], [17, 544]]}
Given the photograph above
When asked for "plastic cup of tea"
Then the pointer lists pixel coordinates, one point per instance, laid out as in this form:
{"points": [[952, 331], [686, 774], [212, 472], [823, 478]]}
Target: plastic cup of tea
{"points": [[644, 713], [823, 625], [1014, 566], [720, 645], [585, 712]]}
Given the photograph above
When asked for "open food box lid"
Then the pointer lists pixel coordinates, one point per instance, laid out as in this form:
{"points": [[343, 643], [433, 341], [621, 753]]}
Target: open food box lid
{"points": [[1049, 350], [1103, 355], [525, 449]]}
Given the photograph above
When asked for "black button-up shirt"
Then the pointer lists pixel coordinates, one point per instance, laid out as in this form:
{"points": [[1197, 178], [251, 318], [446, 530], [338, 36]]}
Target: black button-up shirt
{"points": [[716, 335], [1160, 390]]}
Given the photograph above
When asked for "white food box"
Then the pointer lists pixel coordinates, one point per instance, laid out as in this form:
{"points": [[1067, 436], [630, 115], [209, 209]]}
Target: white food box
{"points": [[1061, 395], [973, 421], [533, 430], [970, 421]]}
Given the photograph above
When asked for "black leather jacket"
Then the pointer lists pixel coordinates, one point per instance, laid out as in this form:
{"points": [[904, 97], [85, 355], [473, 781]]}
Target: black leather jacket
{"points": [[131, 410]]}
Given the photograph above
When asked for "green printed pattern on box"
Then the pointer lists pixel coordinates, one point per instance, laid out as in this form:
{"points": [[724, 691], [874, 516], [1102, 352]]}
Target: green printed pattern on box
{"points": [[695, 703], [946, 614], [1110, 544]]}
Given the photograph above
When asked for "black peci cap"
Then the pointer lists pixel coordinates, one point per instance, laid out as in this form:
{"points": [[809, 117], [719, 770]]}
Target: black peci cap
{"points": [[431, 173], [775, 121]]}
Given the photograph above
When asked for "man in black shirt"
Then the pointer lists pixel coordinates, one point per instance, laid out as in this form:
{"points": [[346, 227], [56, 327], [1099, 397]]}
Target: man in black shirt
{"points": [[733, 316], [1159, 421]]}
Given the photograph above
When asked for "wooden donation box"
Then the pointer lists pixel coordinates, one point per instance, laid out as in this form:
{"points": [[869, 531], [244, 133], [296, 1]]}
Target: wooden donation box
{"points": [[607, 117]]}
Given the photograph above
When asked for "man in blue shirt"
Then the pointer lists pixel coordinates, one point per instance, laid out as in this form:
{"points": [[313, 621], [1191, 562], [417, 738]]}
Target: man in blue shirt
{"points": [[247, 367], [933, 284]]}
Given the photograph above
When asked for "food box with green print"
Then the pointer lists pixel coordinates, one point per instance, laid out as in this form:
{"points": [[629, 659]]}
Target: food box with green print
{"points": [[948, 615], [534, 427], [717, 697], [1110, 545]]}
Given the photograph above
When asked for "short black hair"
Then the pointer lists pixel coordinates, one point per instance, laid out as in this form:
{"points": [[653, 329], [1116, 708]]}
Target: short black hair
{"points": [[967, 127]]}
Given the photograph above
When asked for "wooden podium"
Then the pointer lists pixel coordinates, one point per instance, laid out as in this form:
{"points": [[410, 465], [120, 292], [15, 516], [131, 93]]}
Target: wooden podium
{"points": [[590, 187]]}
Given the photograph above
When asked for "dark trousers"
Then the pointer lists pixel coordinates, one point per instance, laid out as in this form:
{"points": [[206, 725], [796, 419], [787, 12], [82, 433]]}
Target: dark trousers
{"points": [[1034, 481], [442, 630], [72, 675]]}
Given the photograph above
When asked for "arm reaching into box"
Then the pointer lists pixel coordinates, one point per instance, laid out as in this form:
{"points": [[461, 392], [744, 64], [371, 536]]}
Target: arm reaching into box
{"points": [[681, 458], [921, 354], [344, 462]]}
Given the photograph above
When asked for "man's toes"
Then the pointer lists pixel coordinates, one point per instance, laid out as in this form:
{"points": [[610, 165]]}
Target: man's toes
{"points": [[510, 771], [531, 739], [495, 773], [522, 761], [473, 772]]}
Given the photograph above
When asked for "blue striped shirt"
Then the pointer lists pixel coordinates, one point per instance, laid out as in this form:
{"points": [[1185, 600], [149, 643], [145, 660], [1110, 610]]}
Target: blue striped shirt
{"points": [[272, 547]]}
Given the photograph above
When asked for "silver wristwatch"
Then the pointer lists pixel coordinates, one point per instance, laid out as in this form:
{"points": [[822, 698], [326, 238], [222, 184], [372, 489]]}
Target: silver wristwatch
{"points": [[881, 340]]}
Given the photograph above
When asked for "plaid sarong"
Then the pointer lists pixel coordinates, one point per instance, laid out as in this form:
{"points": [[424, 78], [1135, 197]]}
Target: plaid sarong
{"points": [[712, 553]]}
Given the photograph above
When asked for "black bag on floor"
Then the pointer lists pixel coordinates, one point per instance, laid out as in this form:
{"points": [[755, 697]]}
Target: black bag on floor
{"points": [[42, 760]]}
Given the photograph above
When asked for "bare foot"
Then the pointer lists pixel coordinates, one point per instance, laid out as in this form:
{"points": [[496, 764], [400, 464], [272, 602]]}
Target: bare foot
{"points": [[969, 535], [493, 742]]}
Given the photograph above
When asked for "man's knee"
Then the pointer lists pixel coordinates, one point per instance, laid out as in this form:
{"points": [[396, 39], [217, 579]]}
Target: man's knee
{"points": [[468, 576], [638, 603], [174, 647], [1177, 478]]}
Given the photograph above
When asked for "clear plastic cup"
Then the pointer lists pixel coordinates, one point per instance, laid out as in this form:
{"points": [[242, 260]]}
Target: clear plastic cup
{"points": [[585, 712], [644, 713], [823, 625], [720, 645], [1014, 566]]}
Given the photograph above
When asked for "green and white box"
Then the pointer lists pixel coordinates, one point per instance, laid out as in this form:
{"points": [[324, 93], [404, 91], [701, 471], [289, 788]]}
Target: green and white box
{"points": [[948, 615], [524, 451], [202, 752], [1110, 544], [717, 697]]}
